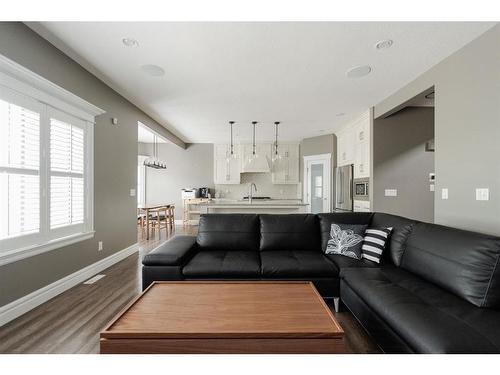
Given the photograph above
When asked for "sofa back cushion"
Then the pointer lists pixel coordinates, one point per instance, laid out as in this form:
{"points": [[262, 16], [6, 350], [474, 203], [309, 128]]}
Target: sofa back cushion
{"points": [[228, 232], [289, 232], [464, 263], [401, 229], [349, 218]]}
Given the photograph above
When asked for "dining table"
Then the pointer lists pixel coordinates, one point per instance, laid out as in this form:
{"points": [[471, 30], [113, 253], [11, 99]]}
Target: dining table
{"points": [[147, 208]]}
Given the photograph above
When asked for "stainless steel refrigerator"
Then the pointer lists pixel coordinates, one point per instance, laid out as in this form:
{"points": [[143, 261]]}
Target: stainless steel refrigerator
{"points": [[343, 188]]}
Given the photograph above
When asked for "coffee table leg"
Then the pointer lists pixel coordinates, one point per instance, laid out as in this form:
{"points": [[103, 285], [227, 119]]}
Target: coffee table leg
{"points": [[336, 303]]}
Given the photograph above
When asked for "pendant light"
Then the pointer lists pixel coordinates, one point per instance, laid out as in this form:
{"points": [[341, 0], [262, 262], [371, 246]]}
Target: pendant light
{"points": [[231, 154], [254, 154], [154, 162], [276, 158]]}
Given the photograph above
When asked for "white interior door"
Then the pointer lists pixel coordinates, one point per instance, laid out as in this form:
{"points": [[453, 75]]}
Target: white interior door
{"points": [[317, 183]]}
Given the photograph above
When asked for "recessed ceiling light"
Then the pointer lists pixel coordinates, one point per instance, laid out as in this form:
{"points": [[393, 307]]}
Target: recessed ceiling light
{"points": [[383, 44], [130, 42], [153, 70], [340, 114], [358, 71]]}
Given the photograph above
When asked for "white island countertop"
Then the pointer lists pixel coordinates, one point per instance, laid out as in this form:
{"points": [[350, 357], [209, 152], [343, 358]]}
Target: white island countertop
{"points": [[257, 206]]}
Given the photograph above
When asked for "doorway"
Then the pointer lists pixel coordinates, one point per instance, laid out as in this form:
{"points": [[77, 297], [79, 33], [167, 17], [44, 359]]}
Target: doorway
{"points": [[403, 159], [317, 183]]}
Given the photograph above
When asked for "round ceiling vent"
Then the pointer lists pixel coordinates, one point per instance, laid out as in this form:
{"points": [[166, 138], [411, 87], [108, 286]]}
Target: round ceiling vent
{"points": [[359, 71], [153, 70], [384, 44]]}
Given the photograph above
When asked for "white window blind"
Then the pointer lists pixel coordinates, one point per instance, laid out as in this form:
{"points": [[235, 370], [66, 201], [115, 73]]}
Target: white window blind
{"points": [[19, 169], [67, 154]]}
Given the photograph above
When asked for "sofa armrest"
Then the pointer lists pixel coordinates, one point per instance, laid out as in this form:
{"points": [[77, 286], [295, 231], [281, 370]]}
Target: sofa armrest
{"points": [[174, 252]]}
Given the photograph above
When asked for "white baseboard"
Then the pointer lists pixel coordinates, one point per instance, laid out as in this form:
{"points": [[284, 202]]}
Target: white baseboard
{"points": [[24, 304], [191, 222]]}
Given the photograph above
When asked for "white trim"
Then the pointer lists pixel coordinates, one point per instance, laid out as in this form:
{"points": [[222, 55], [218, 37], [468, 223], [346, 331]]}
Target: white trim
{"points": [[26, 82], [15, 255], [180, 222], [317, 157], [24, 304], [326, 159]]}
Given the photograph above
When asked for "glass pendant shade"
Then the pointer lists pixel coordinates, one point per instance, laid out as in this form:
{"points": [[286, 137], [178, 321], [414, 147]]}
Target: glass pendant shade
{"points": [[276, 157], [253, 155], [231, 153]]}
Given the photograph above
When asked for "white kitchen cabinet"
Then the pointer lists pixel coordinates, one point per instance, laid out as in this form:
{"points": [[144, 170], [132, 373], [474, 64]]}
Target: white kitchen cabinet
{"points": [[345, 147], [362, 148], [261, 163], [226, 171], [353, 146], [287, 170]]}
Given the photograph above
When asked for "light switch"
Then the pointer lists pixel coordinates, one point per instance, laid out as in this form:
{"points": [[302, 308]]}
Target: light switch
{"points": [[482, 194], [132, 192], [391, 192], [444, 193]]}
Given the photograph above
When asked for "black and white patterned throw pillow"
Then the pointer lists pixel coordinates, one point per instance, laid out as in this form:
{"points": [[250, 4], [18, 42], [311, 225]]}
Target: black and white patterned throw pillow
{"points": [[346, 240], [374, 243]]}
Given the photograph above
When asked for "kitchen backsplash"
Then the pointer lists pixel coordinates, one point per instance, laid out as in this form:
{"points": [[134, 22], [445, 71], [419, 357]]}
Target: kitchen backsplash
{"points": [[265, 188]]}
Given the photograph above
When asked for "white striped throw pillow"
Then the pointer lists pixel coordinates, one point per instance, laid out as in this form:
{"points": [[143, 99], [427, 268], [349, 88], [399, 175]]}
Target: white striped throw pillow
{"points": [[374, 243]]}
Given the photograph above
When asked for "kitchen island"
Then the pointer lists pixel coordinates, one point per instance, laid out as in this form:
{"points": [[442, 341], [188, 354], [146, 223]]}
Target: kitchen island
{"points": [[268, 206]]}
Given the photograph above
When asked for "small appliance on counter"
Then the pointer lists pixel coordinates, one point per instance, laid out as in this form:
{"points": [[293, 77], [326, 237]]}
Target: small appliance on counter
{"points": [[204, 192], [190, 193]]}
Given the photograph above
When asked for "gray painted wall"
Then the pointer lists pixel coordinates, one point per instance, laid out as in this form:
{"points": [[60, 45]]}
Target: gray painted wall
{"points": [[324, 144], [467, 131], [115, 170], [192, 167], [401, 162]]}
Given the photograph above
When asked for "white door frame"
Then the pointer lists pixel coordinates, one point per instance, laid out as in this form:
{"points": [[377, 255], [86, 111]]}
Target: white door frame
{"points": [[312, 159]]}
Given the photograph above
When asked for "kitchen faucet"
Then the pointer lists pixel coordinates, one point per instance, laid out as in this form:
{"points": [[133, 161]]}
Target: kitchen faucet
{"points": [[250, 191]]}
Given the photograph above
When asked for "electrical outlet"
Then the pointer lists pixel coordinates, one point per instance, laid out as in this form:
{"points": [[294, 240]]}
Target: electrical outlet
{"points": [[391, 192], [444, 193], [431, 187], [132, 192], [482, 194], [99, 246]]}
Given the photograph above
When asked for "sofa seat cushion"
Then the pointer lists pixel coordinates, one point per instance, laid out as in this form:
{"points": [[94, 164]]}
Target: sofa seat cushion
{"points": [[427, 318], [223, 264], [342, 262], [296, 264]]}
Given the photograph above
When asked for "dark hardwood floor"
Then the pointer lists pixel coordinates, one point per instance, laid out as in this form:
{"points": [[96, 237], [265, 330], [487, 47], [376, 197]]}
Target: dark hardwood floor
{"points": [[71, 322]]}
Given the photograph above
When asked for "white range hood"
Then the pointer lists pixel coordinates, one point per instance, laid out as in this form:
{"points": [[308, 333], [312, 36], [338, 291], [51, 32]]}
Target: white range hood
{"points": [[259, 164]]}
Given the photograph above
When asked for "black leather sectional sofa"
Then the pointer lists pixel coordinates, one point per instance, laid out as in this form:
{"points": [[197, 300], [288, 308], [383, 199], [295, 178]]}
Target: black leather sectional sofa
{"points": [[437, 289]]}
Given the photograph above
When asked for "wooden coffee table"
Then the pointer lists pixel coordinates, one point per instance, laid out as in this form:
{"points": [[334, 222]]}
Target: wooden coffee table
{"points": [[225, 317]]}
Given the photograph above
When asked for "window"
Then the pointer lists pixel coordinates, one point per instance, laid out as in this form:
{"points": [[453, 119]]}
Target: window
{"points": [[46, 169], [19, 167], [66, 173]]}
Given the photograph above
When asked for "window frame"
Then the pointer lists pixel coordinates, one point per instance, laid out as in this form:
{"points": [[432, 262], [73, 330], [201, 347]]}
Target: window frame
{"points": [[49, 99]]}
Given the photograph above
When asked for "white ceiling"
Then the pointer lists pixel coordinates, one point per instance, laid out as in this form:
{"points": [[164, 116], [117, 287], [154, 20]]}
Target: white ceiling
{"points": [[282, 71]]}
